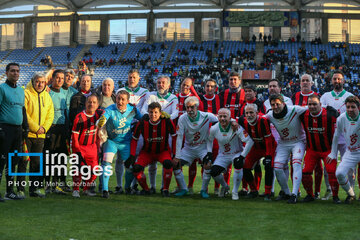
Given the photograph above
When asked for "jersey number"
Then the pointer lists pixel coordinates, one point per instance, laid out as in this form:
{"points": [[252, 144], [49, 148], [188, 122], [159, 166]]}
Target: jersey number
{"points": [[353, 139], [196, 136], [227, 147], [285, 132]]}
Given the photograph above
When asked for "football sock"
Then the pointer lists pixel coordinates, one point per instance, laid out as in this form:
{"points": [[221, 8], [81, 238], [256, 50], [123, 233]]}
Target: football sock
{"points": [[327, 179], [119, 170], [205, 180], [307, 182], [129, 177], [318, 174], [257, 176], [238, 175], [105, 175], [297, 175], [152, 174], [220, 179], [141, 178], [167, 174], [179, 175], [281, 177], [192, 174], [334, 184], [227, 174]]}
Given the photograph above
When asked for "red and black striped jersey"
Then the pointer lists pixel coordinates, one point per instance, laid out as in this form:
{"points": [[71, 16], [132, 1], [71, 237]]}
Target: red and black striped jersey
{"points": [[232, 101], [84, 129], [301, 99], [155, 136], [319, 129], [260, 133], [258, 103], [210, 104]]}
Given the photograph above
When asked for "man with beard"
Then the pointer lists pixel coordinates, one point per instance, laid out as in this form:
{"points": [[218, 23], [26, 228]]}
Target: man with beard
{"points": [[194, 126], [258, 127], [336, 99]]}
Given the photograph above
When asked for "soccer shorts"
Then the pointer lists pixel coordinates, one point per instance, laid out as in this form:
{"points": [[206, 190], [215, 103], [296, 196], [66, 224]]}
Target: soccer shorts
{"points": [[225, 160], [110, 148], [189, 154], [146, 158], [348, 163]]}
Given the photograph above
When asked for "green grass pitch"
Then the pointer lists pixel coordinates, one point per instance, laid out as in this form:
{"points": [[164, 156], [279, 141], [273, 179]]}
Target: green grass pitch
{"points": [[155, 217]]}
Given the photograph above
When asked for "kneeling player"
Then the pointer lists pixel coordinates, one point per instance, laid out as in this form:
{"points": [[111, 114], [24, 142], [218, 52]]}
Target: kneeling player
{"points": [[259, 130], [229, 152], [155, 132], [194, 125], [84, 142]]}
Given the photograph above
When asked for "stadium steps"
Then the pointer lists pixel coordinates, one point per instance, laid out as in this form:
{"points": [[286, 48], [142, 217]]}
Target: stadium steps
{"points": [[124, 52], [38, 54], [10, 51], [80, 55], [259, 52], [167, 59]]}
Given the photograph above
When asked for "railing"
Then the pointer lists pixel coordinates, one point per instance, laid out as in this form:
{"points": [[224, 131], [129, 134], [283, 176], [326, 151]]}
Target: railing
{"points": [[92, 39], [173, 36], [53, 41]]}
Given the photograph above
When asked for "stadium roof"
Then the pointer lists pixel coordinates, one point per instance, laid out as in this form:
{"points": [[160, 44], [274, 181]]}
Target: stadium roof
{"points": [[89, 5]]}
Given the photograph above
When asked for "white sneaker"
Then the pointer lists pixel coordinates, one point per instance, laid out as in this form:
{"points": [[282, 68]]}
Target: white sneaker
{"points": [[235, 196], [216, 191], [191, 191], [76, 194], [224, 190]]}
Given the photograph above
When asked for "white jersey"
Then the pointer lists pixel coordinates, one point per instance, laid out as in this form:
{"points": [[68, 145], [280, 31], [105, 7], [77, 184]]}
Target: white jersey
{"points": [[230, 142], [267, 107], [196, 131], [289, 127], [169, 103], [287, 101], [350, 129], [137, 96], [337, 101]]}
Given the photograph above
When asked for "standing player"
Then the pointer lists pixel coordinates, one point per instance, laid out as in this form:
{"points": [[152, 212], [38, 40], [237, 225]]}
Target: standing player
{"points": [[336, 99], [194, 125], [319, 125], [258, 127], [137, 98], [118, 118], [156, 133], [250, 97], [292, 141], [349, 125], [301, 99], [85, 143], [275, 88], [233, 97], [230, 151], [211, 103]]}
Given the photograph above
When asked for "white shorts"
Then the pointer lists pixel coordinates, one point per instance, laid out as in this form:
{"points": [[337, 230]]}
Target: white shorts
{"points": [[225, 160], [348, 163], [283, 152], [189, 154]]}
